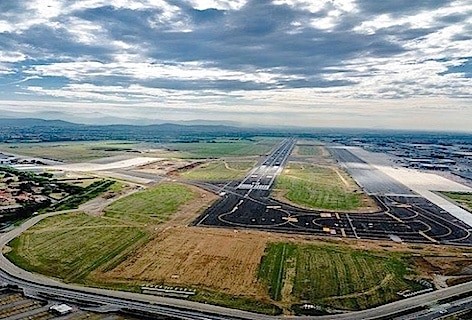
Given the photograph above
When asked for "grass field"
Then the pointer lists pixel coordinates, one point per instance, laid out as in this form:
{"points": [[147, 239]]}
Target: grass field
{"points": [[307, 150], [464, 199], [69, 151], [333, 277], [154, 205], [71, 246], [86, 243], [225, 148], [219, 171], [320, 187]]}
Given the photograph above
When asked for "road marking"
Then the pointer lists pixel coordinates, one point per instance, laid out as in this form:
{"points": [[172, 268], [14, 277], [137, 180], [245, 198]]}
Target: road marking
{"points": [[428, 237], [201, 221], [352, 227], [394, 217]]}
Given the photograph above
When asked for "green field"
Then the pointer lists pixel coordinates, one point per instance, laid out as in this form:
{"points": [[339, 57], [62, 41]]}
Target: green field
{"points": [[334, 277], [219, 171], [69, 151], [306, 150], [317, 187], [154, 205], [71, 246], [462, 198], [225, 148]]}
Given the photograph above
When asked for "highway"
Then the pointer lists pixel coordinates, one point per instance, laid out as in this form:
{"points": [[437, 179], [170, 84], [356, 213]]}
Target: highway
{"points": [[442, 311]]}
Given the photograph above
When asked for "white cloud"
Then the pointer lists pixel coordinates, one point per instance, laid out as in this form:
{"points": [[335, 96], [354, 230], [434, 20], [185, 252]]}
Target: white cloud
{"points": [[423, 19], [335, 9], [401, 65], [8, 56], [87, 70], [316, 6], [217, 4], [49, 12]]}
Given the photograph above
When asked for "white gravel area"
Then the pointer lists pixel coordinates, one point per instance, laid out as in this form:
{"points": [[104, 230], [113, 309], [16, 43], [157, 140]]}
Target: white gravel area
{"points": [[90, 167], [420, 182]]}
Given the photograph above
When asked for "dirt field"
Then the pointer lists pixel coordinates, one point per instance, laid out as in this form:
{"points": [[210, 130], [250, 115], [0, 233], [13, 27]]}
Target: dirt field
{"points": [[214, 259], [337, 273], [164, 167]]}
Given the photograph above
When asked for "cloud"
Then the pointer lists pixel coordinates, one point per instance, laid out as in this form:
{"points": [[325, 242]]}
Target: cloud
{"points": [[236, 53]]}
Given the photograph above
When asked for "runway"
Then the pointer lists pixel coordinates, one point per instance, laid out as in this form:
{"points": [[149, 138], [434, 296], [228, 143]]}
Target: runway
{"points": [[405, 216], [263, 176]]}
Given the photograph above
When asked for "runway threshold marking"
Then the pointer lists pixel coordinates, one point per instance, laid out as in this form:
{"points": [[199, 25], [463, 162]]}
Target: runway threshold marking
{"points": [[428, 237]]}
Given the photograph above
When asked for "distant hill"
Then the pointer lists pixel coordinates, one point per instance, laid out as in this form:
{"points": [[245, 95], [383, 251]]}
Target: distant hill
{"points": [[30, 122], [28, 129], [97, 118], [34, 130]]}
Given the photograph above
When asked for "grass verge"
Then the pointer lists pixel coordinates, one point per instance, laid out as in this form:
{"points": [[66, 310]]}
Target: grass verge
{"points": [[237, 302], [462, 198]]}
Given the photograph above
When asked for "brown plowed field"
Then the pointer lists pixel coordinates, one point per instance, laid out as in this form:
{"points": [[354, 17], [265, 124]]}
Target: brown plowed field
{"points": [[211, 258]]}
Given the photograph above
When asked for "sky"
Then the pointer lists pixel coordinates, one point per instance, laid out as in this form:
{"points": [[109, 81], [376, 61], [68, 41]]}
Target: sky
{"points": [[403, 64]]}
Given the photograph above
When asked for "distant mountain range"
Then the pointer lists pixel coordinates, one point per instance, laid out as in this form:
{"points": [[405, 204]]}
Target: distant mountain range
{"points": [[97, 118], [36, 130], [162, 127]]}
